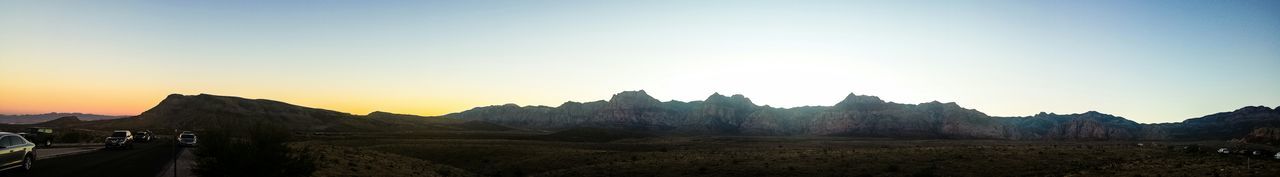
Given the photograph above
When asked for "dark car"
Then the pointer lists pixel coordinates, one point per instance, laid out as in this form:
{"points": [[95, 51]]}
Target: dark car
{"points": [[16, 152], [144, 136], [187, 139], [41, 136], [120, 139]]}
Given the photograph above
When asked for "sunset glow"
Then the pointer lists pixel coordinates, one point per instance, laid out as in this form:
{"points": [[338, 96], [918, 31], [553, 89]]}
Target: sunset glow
{"points": [[1160, 63]]}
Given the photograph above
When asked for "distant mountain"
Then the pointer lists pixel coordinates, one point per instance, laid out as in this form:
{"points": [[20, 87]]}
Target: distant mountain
{"points": [[1090, 125], [69, 120], [192, 111], [857, 115], [1227, 125], [636, 114], [204, 110], [38, 118]]}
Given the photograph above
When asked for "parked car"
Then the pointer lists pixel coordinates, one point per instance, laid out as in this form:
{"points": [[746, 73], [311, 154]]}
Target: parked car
{"points": [[41, 136], [1224, 151], [120, 139], [1193, 148], [16, 152], [1259, 152], [144, 136], [187, 138]]}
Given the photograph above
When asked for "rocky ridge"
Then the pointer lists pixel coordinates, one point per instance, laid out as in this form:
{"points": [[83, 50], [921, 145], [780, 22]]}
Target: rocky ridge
{"points": [[857, 115]]}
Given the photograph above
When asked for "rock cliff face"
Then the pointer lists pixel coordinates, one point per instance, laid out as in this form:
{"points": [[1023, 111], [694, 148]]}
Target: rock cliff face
{"points": [[860, 115], [725, 114], [856, 115], [635, 110], [1085, 126], [1269, 135]]}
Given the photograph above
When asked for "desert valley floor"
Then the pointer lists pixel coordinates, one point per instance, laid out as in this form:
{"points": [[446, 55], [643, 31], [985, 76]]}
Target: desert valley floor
{"points": [[604, 154]]}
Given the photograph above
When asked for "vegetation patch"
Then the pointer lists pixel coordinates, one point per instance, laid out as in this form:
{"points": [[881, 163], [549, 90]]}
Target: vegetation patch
{"points": [[815, 156], [334, 161], [590, 134]]}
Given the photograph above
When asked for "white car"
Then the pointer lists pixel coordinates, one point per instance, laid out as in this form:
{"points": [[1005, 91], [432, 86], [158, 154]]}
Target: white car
{"points": [[1278, 155], [1224, 151]]}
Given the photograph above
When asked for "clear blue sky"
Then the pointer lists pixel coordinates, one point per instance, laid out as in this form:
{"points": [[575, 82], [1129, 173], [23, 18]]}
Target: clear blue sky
{"points": [[1150, 61]]}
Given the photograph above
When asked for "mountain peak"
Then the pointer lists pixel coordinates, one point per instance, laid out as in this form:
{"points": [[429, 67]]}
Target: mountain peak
{"points": [[715, 95], [206, 97], [855, 98], [633, 98], [380, 113], [859, 100], [186, 111], [1253, 109], [737, 99], [568, 104]]}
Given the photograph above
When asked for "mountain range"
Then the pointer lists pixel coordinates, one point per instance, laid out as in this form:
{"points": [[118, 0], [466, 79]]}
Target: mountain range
{"points": [[861, 116], [195, 112], [38, 118], [636, 111]]}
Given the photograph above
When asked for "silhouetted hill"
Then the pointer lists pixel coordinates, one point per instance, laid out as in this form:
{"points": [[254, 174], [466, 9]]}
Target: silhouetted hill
{"points": [[857, 115], [1090, 125], [200, 111], [63, 121], [1229, 125], [186, 112], [38, 118]]}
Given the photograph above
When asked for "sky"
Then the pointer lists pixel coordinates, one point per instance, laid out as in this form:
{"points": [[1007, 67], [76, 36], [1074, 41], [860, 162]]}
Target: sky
{"points": [[1149, 61]]}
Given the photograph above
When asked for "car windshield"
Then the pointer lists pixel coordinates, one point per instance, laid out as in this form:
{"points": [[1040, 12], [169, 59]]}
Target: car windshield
{"points": [[119, 134], [188, 136]]}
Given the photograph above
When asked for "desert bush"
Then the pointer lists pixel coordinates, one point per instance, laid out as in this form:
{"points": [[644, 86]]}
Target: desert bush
{"points": [[892, 169], [252, 149], [77, 136]]}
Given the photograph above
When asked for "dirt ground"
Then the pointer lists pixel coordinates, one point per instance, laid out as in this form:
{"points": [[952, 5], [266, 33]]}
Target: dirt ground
{"points": [[456, 154]]}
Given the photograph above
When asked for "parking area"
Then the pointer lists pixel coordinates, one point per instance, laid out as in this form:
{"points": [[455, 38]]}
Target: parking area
{"points": [[146, 159], [59, 151]]}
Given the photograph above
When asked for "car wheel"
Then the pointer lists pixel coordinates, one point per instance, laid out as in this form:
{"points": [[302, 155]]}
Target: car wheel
{"points": [[28, 163]]}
